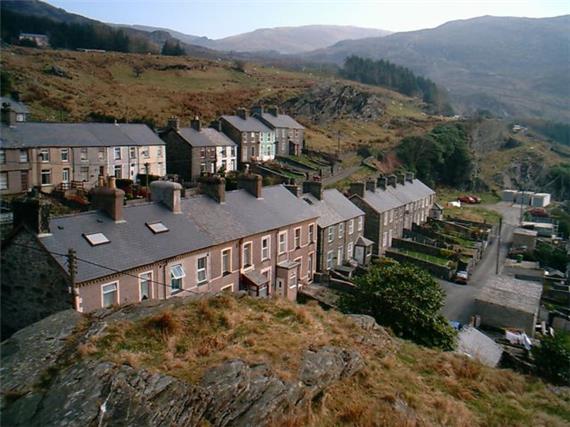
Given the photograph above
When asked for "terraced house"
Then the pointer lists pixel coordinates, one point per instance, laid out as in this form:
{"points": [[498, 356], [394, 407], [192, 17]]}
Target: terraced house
{"points": [[255, 140], [59, 155], [289, 134], [195, 150], [261, 240], [341, 242], [391, 204]]}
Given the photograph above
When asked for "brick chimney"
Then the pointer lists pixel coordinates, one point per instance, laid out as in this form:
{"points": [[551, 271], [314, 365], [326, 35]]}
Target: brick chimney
{"points": [[392, 180], [216, 124], [382, 182], [242, 113], [252, 183], [213, 186], [273, 110], [357, 188], [167, 193], [174, 123], [294, 189], [32, 211], [15, 95], [196, 123], [315, 188], [371, 185], [410, 176], [258, 109], [109, 198], [402, 178]]}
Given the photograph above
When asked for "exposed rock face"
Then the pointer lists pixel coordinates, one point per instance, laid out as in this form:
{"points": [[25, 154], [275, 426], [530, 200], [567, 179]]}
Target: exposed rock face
{"points": [[332, 101], [46, 383]]}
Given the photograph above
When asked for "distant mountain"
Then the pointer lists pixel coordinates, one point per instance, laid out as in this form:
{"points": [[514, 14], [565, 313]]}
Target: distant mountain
{"points": [[510, 66], [284, 40]]}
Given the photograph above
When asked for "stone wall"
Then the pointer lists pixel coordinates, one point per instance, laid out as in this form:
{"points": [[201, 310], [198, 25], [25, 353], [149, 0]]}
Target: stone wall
{"points": [[33, 285], [437, 270]]}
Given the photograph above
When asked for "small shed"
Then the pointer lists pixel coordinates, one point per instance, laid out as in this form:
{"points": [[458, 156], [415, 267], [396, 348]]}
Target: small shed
{"points": [[509, 303], [523, 237], [436, 212], [508, 195], [540, 200], [479, 346]]}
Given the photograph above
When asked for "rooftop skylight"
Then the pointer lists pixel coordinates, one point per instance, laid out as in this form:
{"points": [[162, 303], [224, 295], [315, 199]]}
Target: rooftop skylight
{"points": [[157, 227], [96, 239]]}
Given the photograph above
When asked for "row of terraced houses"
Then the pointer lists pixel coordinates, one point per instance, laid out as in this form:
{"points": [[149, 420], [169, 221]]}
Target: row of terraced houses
{"points": [[266, 241]]}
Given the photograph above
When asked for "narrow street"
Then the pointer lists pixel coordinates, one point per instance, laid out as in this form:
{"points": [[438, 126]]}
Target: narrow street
{"points": [[345, 173], [460, 298]]}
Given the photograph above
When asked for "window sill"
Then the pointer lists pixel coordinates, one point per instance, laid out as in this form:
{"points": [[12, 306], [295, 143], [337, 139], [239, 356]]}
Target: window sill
{"points": [[205, 282], [175, 291]]}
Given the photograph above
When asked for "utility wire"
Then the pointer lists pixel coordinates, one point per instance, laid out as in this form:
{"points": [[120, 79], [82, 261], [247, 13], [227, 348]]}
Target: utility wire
{"points": [[102, 266]]}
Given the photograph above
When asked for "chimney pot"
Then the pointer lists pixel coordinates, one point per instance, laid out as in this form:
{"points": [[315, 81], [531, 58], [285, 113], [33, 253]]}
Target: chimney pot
{"points": [[252, 183], [315, 188], [174, 123], [358, 188], [258, 109], [371, 185], [273, 110], [382, 182], [242, 113], [401, 177], [410, 176], [32, 211], [392, 180], [109, 199], [196, 124], [168, 193]]}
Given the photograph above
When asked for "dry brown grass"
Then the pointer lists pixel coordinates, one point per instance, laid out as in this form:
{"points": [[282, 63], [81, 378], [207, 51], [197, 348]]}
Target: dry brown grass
{"points": [[401, 385]]}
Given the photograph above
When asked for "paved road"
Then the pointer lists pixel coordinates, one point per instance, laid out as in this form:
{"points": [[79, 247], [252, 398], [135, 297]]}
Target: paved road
{"points": [[345, 173], [460, 298]]}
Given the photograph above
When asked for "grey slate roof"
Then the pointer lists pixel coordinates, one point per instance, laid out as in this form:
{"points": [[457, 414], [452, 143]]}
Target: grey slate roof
{"points": [[16, 106], [391, 198], [206, 137], [250, 124], [333, 208], [281, 121], [479, 346], [28, 134], [512, 293], [203, 223]]}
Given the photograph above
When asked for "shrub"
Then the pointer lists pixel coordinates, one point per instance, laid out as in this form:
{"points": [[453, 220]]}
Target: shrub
{"points": [[552, 358]]}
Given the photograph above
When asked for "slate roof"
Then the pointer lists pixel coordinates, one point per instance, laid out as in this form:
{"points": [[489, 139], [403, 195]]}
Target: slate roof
{"points": [[206, 137], [16, 106], [512, 293], [479, 346], [250, 124], [281, 121], [391, 198], [23, 135], [333, 208], [203, 223]]}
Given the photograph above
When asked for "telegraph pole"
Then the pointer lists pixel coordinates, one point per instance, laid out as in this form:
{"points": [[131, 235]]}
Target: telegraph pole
{"points": [[499, 245], [522, 201]]}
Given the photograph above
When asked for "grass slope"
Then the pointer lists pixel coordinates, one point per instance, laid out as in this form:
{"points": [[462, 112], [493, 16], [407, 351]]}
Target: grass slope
{"points": [[401, 384]]}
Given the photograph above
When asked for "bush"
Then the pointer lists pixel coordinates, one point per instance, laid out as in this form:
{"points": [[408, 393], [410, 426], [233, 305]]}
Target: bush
{"points": [[404, 298], [552, 358]]}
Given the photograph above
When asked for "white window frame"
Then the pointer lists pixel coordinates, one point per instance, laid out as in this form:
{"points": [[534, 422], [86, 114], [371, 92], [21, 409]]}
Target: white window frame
{"points": [[385, 218], [230, 287], [64, 154], [118, 168], [204, 270], [391, 216], [270, 277], [341, 230], [116, 283], [265, 257], [181, 278], [284, 242], [132, 152], [360, 223], [385, 239], [42, 175], [101, 154], [26, 159], [340, 255], [243, 264], [310, 265], [330, 232], [311, 234], [44, 155], [297, 242], [65, 171], [330, 260], [350, 250], [229, 251], [150, 281], [117, 153], [351, 226], [4, 180]]}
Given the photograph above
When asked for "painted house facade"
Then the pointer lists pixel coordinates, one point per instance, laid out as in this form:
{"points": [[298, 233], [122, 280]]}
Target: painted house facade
{"points": [[195, 150], [255, 140], [391, 204], [51, 155], [340, 228], [254, 239], [289, 134]]}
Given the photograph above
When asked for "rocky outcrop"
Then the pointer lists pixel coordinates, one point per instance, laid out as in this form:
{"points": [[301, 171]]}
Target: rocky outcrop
{"points": [[46, 382], [328, 102]]}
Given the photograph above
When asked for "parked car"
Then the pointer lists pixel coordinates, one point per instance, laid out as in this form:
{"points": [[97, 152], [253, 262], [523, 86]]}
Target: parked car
{"points": [[461, 277], [467, 199], [476, 199], [540, 212]]}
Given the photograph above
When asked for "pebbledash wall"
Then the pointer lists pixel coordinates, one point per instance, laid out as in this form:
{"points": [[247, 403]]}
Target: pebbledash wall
{"points": [[90, 293]]}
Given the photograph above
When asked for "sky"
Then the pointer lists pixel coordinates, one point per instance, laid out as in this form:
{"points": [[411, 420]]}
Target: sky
{"points": [[221, 18]]}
